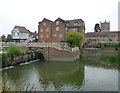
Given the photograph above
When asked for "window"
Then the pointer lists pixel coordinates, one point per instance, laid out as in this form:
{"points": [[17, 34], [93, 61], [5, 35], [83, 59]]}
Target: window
{"points": [[66, 28], [16, 34], [47, 36], [57, 28], [44, 24], [41, 30], [57, 22], [41, 36], [76, 23], [54, 35], [47, 29], [60, 35]]}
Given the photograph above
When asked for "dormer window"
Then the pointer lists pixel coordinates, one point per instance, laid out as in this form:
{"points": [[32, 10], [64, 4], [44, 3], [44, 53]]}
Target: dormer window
{"points": [[76, 23], [57, 22]]}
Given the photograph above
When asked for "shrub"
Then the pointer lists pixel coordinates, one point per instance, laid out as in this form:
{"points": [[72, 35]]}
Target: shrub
{"points": [[4, 57], [13, 50]]}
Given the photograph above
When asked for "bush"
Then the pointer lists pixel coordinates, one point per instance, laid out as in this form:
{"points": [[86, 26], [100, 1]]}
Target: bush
{"points": [[13, 50], [4, 57]]}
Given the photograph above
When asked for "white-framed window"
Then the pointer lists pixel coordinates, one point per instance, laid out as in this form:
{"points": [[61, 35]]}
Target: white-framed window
{"points": [[76, 23], [57, 22], [41, 36], [60, 36], [47, 36], [44, 24], [41, 30], [54, 35], [16, 34], [66, 28], [47, 30], [57, 28]]}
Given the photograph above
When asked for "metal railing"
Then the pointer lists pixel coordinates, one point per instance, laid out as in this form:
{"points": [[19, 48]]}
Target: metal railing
{"points": [[64, 46]]}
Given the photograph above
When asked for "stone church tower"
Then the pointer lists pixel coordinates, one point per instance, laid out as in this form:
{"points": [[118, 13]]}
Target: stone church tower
{"points": [[105, 26]]}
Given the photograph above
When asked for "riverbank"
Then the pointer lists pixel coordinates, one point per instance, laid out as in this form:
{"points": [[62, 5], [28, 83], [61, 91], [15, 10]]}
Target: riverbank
{"points": [[107, 57], [22, 58], [13, 55]]}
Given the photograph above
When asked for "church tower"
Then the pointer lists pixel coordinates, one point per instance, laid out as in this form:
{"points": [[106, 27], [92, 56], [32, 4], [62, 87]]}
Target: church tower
{"points": [[105, 26]]}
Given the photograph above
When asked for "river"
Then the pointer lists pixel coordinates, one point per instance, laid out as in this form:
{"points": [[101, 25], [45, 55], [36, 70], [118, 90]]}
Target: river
{"points": [[62, 76]]}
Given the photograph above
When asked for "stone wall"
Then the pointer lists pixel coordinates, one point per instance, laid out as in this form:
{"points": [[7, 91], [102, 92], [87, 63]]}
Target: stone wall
{"points": [[23, 57]]}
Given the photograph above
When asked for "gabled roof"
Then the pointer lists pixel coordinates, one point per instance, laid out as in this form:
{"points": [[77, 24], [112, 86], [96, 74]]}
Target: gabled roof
{"points": [[22, 29], [71, 23], [46, 19]]}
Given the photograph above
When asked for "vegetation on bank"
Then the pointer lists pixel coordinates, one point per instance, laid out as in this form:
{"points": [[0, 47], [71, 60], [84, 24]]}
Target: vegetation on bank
{"points": [[12, 51], [114, 59], [111, 58], [101, 56], [13, 55], [109, 44]]}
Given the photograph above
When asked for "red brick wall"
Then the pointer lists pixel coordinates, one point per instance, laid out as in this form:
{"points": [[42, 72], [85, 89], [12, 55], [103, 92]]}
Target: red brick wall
{"points": [[52, 54], [44, 33], [51, 26], [62, 29]]}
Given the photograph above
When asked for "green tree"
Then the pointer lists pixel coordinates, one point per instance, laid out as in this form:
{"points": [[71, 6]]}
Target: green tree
{"points": [[74, 38], [3, 38], [9, 38], [97, 28]]}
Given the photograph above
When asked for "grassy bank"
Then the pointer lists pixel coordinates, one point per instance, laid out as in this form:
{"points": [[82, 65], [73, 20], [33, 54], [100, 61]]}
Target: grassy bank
{"points": [[110, 58], [113, 58], [13, 55]]}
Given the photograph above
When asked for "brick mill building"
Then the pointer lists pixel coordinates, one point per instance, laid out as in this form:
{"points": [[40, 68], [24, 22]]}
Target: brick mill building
{"points": [[55, 31]]}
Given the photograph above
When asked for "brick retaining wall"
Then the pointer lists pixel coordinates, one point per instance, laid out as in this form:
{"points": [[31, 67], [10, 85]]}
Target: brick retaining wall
{"points": [[52, 54]]}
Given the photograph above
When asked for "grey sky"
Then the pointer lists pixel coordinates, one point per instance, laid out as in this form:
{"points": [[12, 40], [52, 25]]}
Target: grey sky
{"points": [[29, 12]]}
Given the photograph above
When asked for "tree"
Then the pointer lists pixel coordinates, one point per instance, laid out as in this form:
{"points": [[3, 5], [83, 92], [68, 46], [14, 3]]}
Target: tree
{"points": [[97, 28], [3, 38], [9, 38], [74, 38]]}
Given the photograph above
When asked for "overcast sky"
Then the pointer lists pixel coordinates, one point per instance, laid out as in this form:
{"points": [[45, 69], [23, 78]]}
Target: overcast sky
{"points": [[29, 12]]}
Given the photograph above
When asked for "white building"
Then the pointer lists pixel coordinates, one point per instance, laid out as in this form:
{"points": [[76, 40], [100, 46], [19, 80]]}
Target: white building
{"points": [[20, 34]]}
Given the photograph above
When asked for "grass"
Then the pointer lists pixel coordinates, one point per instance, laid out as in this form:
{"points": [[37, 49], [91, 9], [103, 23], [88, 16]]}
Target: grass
{"points": [[110, 58]]}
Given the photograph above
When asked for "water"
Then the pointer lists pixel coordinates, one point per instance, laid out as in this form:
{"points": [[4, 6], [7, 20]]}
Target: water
{"points": [[63, 76]]}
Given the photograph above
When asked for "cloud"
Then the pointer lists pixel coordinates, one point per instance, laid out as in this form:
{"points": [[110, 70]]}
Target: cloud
{"points": [[29, 12]]}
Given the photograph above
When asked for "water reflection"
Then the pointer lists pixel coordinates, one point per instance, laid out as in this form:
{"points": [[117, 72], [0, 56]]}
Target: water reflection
{"points": [[64, 76], [61, 74], [48, 75]]}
